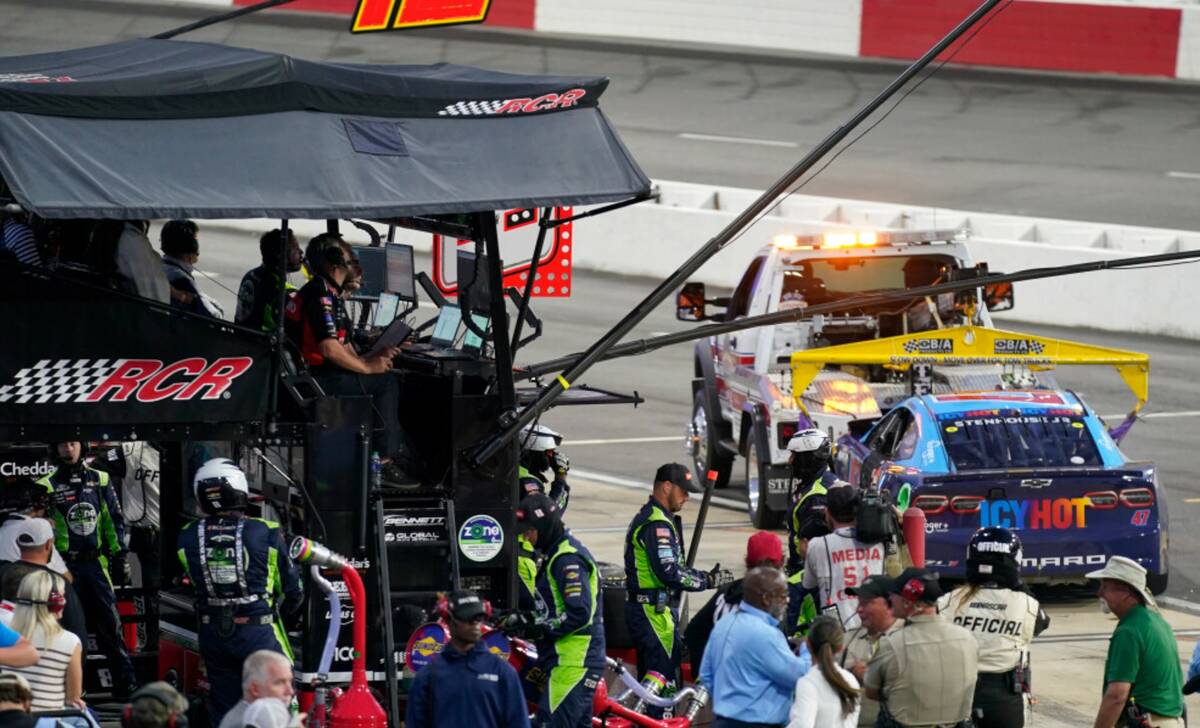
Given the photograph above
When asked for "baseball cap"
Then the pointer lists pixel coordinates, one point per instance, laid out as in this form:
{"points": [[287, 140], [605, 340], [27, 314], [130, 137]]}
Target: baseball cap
{"points": [[917, 585], [764, 546], [465, 605], [872, 587], [34, 532], [673, 473]]}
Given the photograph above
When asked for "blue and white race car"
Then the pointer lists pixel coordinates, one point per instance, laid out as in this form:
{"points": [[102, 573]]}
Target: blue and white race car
{"points": [[1040, 462]]}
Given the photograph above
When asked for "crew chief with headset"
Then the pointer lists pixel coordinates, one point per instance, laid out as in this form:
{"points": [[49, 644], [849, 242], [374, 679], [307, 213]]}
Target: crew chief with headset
{"points": [[240, 569], [317, 323]]}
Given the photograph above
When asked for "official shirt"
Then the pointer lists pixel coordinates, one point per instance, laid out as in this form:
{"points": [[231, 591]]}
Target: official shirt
{"points": [[1002, 621], [749, 669], [926, 672], [838, 561]]}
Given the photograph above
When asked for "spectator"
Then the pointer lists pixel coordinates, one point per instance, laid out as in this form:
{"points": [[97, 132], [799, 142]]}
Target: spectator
{"points": [[854, 560], [762, 549], [16, 700], [181, 249], [258, 295], [1141, 670], [271, 713], [827, 697], [466, 685], [29, 501], [354, 281], [318, 326], [748, 667], [17, 240], [57, 678], [36, 544], [265, 674], [875, 621], [924, 673], [154, 705], [129, 258]]}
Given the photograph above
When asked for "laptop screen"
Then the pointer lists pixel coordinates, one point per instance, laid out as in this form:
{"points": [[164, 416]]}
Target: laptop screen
{"points": [[385, 309], [446, 329]]}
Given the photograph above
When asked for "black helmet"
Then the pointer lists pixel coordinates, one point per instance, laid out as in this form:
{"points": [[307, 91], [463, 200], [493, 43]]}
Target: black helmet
{"points": [[994, 555], [537, 512]]}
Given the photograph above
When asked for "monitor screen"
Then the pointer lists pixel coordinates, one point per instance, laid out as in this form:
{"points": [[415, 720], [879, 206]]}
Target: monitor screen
{"points": [[473, 289], [446, 329], [385, 309], [400, 271], [374, 273], [471, 340]]}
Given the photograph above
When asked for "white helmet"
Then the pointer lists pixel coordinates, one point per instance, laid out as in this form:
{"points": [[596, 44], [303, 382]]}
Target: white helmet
{"points": [[220, 485], [809, 440], [539, 438]]}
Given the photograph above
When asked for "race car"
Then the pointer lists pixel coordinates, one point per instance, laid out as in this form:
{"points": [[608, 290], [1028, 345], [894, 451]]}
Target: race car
{"points": [[1040, 462]]}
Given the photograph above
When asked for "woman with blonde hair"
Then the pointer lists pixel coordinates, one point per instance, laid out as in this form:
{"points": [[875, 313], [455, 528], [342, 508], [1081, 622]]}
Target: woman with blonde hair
{"points": [[827, 697], [57, 678]]}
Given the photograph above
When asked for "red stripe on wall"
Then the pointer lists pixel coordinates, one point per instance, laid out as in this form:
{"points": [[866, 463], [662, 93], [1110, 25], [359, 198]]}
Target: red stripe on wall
{"points": [[1044, 35], [503, 13]]}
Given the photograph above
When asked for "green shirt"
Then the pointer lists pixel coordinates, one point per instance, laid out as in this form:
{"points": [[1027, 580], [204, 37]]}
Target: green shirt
{"points": [[1142, 652]]}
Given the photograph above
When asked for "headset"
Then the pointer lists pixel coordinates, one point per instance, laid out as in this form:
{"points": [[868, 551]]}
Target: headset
{"points": [[55, 603], [156, 692], [442, 608]]}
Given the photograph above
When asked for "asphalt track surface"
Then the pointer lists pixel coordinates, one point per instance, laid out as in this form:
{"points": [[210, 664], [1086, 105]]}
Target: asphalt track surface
{"points": [[1050, 146]]}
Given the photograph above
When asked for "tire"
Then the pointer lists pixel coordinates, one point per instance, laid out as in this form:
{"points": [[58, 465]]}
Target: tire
{"points": [[1156, 583], [703, 435], [761, 515]]}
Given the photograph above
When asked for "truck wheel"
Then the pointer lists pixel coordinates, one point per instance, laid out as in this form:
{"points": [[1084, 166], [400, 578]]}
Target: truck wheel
{"points": [[702, 445], [1156, 583], [761, 516]]}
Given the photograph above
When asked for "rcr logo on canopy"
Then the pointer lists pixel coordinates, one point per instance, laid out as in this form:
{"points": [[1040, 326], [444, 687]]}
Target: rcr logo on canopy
{"points": [[119, 380]]}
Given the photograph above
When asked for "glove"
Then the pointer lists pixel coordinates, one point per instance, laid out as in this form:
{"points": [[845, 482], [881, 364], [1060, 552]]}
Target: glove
{"points": [[560, 463], [118, 570], [521, 624], [719, 578]]}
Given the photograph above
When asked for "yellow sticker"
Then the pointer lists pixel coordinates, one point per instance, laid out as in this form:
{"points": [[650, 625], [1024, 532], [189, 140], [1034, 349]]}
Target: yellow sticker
{"points": [[1077, 425], [951, 428]]}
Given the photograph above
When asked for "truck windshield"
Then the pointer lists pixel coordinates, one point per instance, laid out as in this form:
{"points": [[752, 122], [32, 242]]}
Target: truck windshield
{"points": [[821, 280], [1017, 439]]}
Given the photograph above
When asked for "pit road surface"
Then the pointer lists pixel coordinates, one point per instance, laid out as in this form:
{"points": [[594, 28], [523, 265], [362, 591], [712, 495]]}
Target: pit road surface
{"points": [[1047, 146]]}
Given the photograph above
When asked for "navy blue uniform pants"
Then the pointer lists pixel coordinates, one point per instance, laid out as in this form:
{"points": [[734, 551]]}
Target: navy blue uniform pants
{"points": [[100, 610], [223, 655], [575, 710]]}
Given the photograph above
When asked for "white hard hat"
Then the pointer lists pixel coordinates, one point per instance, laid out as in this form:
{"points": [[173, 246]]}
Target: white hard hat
{"points": [[221, 469], [539, 438], [808, 440]]}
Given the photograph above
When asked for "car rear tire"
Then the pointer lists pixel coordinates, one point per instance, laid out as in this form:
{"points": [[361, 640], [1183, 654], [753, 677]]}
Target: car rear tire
{"points": [[761, 515], [703, 435], [1156, 583]]}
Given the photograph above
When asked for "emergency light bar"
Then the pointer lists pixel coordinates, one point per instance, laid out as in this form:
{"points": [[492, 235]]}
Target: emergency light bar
{"points": [[864, 238]]}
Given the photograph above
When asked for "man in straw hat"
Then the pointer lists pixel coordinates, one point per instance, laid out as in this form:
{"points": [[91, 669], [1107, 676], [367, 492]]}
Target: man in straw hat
{"points": [[1143, 682]]}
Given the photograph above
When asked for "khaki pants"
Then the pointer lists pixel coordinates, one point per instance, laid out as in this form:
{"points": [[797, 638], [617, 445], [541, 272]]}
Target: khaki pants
{"points": [[1161, 721]]}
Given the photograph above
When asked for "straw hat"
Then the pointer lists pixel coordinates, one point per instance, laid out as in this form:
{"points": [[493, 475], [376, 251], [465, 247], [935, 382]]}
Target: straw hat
{"points": [[1129, 571]]}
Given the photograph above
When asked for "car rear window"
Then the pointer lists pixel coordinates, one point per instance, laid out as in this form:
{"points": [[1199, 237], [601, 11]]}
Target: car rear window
{"points": [[1017, 439]]}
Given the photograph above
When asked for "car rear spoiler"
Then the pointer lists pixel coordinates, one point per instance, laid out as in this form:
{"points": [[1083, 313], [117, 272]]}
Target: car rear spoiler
{"points": [[976, 345]]}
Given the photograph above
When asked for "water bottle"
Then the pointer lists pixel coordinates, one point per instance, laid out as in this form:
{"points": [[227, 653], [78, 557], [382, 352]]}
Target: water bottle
{"points": [[376, 470]]}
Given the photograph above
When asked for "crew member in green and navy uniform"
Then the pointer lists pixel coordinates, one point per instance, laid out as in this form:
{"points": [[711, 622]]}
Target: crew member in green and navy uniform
{"points": [[809, 456], [241, 572], [656, 574], [540, 455], [89, 532], [570, 637]]}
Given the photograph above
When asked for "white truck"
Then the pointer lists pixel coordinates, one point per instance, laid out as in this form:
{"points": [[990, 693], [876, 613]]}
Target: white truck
{"points": [[743, 404]]}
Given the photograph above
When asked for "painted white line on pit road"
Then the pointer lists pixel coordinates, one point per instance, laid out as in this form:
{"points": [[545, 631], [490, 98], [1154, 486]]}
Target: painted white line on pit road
{"points": [[1156, 415], [622, 441], [1182, 605], [632, 484], [1183, 175], [737, 140]]}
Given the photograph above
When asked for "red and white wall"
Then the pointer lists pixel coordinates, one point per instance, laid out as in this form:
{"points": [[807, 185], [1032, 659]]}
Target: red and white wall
{"points": [[1134, 37]]}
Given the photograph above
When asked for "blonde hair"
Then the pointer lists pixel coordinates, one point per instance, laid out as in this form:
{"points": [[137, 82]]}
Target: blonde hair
{"points": [[31, 611], [825, 639]]}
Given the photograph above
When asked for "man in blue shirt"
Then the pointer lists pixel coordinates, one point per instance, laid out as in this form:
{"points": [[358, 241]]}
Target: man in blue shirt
{"points": [[747, 666], [466, 685]]}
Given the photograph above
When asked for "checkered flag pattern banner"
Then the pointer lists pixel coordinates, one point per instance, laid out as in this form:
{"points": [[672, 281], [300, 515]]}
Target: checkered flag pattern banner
{"points": [[912, 347], [472, 108], [1036, 347], [61, 380]]}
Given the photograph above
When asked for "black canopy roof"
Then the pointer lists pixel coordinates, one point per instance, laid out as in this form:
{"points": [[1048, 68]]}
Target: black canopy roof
{"points": [[164, 128]]}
